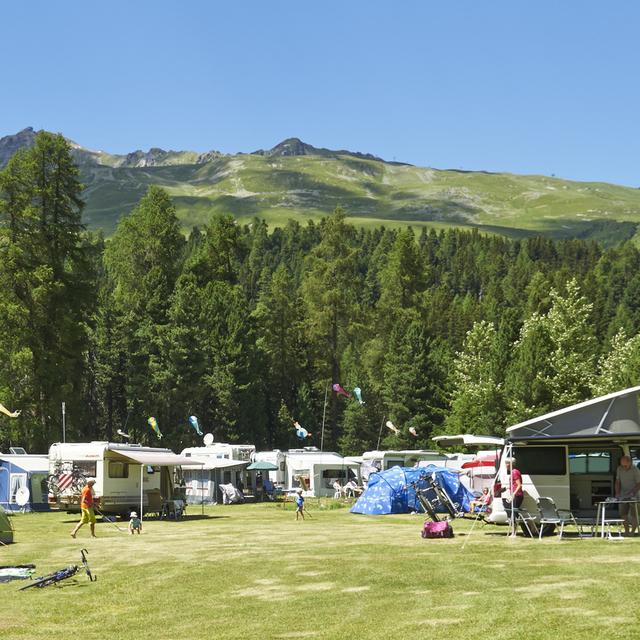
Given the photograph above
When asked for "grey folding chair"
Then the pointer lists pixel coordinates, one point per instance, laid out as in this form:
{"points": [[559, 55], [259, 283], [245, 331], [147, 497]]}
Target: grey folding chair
{"points": [[550, 514]]}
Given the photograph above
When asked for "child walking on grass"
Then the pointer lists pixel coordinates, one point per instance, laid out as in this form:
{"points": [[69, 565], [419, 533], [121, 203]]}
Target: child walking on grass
{"points": [[299, 504]]}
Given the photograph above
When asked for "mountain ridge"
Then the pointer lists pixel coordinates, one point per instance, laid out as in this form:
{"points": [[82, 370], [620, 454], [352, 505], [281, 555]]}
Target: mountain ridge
{"points": [[295, 180]]}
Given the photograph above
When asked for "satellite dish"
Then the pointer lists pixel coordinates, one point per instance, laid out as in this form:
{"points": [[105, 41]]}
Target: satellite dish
{"points": [[208, 438], [22, 496]]}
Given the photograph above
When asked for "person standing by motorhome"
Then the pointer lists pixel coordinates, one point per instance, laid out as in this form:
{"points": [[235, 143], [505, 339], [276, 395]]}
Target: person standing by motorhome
{"points": [[517, 492], [299, 504], [627, 487], [87, 501]]}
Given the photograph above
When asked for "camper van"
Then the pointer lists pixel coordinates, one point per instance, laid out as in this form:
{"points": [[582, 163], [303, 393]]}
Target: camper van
{"points": [[127, 476], [571, 455]]}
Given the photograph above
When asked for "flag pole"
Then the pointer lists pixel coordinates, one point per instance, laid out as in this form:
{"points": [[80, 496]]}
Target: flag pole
{"points": [[380, 433], [324, 413]]}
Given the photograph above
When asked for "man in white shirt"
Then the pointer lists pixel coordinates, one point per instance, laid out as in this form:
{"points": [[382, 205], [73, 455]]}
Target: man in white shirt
{"points": [[627, 487]]}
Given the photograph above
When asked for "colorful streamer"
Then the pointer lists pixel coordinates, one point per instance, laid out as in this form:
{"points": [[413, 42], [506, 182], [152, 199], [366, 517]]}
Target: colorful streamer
{"points": [[154, 425], [193, 421], [11, 414], [392, 426], [301, 432], [340, 391]]}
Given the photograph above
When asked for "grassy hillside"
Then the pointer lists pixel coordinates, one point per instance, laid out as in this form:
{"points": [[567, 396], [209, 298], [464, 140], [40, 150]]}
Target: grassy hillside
{"points": [[372, 193]]}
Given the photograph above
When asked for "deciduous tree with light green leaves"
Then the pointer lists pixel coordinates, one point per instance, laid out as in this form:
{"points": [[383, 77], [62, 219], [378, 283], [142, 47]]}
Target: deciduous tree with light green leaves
{"points": [[477, 397]]}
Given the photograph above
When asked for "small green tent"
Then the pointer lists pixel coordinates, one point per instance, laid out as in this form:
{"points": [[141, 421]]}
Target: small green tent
{"points": [[6, 530]]}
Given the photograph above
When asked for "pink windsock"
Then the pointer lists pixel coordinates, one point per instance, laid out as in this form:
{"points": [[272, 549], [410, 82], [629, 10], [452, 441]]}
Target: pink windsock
{"points": [[340, 391]]}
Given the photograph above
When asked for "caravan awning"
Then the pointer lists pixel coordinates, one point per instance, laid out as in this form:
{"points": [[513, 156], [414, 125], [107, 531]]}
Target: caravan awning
{"points": [[157, 458], [467, 439], [223, 463]]}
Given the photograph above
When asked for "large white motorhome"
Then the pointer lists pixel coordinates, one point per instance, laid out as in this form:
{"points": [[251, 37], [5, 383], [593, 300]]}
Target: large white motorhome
{"points": [[128, 476], [571, 455]]}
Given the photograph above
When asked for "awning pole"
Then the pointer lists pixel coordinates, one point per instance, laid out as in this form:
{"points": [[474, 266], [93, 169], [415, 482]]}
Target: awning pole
{"points": [[141, 490]]}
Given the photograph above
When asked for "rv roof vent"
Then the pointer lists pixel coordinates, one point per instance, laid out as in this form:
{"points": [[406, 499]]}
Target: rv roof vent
{"points": [[17, 451]]}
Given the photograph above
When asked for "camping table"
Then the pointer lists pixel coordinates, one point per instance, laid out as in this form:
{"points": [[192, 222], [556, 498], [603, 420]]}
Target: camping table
{"points": [[601, 516]]}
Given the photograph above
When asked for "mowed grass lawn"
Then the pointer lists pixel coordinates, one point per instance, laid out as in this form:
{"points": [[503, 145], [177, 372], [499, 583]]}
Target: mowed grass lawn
{"points": [[252, 571]]}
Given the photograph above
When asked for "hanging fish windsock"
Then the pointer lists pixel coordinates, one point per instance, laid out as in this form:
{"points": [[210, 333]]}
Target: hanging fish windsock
{"points": [[11, 414], [392, 426], [301, 432], [154, 425], [413, 432], [340, 391], [357, 392], [193, 421]]}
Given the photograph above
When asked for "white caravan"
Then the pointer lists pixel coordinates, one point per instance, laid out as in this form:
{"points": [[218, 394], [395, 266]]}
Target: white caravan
{"points": [[277, 458], [128, 476], [316, 471], [373, 461], [220, 463], [309, 468], [571, 455]]}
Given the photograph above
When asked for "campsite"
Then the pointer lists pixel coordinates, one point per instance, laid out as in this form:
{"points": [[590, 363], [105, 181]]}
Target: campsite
{"points": [[253, 571]]}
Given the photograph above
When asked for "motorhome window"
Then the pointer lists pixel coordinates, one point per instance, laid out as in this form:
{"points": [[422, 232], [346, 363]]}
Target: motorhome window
{"points": [[334, 473], [88, 468], [589, 462], [541, 461], [118, 469], [392, 462]]}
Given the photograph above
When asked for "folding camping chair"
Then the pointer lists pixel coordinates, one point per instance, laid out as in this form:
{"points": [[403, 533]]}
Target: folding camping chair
{"points": [[551, 515]]}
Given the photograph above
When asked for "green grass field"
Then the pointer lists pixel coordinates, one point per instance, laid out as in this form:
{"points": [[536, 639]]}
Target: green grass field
{"points": [[252, 571]]}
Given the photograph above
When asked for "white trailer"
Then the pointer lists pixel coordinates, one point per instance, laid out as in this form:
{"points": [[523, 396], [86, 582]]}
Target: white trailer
{"points": [[217, 466], [309, 468], [128, 476], [316, 471]]}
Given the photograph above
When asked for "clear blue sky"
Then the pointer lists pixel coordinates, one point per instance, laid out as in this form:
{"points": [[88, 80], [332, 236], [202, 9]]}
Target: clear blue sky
{"points": [[536, 87]]}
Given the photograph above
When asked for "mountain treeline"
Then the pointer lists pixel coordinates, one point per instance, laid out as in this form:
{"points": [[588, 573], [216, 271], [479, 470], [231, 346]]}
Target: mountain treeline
{"points": [[248, 327]]}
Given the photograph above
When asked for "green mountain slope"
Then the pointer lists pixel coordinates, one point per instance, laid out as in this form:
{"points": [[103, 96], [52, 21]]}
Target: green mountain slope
{"points": [[296, 180]]}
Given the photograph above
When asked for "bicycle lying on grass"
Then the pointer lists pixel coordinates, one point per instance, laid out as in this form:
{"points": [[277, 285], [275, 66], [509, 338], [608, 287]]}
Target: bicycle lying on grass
{"points": [[63, 574]]}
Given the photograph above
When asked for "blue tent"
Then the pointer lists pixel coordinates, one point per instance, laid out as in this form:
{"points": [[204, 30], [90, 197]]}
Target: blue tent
{"points": [[20, 472], [392, 491]]}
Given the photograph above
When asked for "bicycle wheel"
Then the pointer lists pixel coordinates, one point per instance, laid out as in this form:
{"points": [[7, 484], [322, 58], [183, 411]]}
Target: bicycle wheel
{"points": [[79, 480]]}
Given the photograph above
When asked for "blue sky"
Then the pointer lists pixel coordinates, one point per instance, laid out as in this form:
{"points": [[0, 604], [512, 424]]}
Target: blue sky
{"points": [[538, 87]]}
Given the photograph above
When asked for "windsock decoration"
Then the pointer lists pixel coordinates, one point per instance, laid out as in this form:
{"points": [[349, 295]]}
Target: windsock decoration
{"points": [[193, 421], [120, 432], [301, 432], [11, 414], [340, 391], [154, 425], [413, 432], [392, 426], [357, 392]]}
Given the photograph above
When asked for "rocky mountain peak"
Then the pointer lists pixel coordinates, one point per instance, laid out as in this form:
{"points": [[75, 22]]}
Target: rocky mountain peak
{"points": [[10, 144]]}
